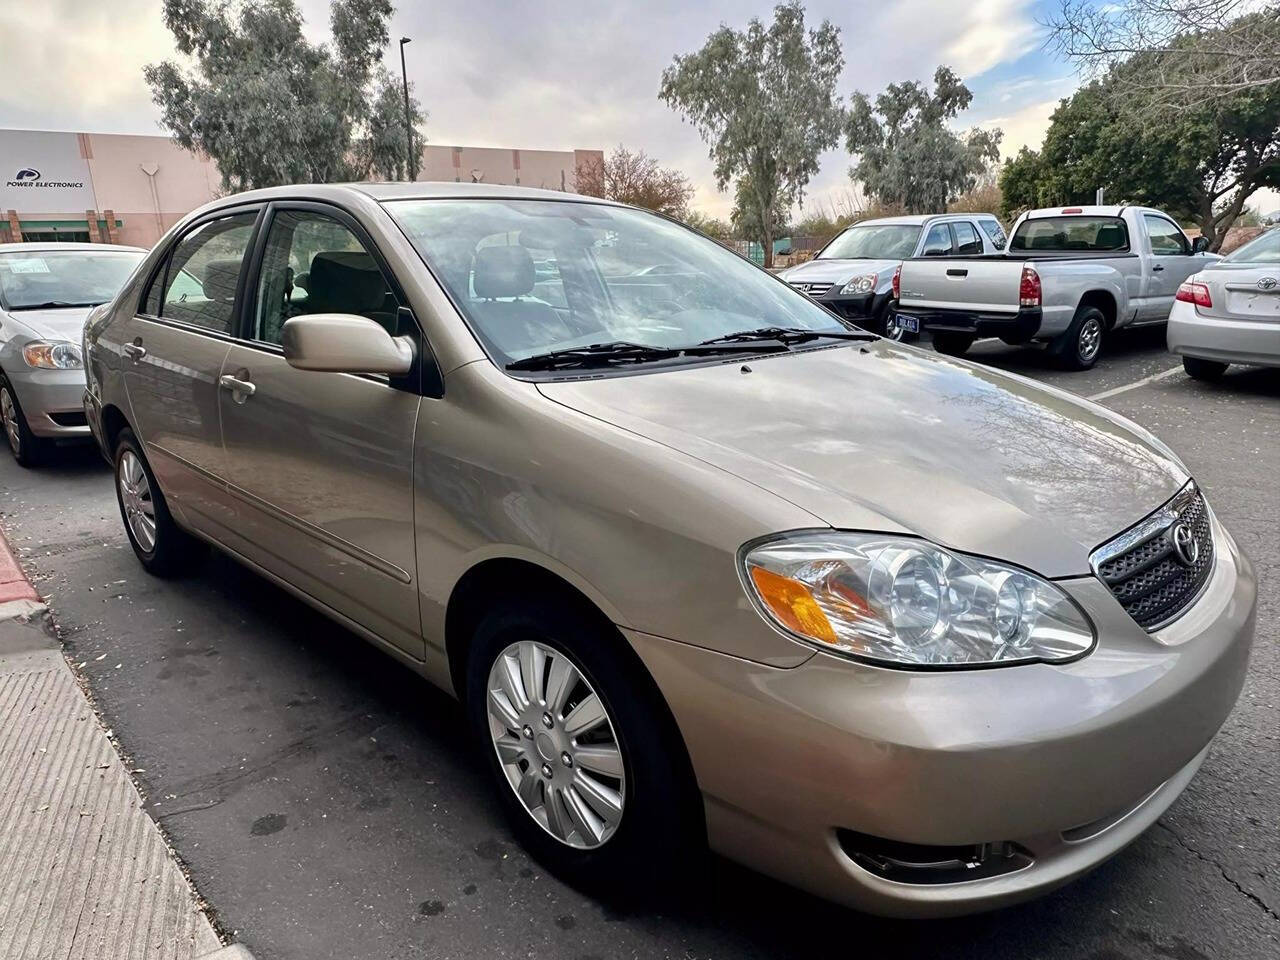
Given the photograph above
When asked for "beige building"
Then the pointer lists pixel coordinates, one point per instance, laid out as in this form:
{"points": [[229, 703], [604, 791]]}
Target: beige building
{"points": [[114, 188]]}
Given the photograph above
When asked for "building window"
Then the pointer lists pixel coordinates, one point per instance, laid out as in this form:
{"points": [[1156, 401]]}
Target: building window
{"points": [[55, 236]]}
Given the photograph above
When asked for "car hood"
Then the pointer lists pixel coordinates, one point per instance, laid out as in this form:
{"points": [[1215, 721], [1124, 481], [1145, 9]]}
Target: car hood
{"points": [[890, 438], [835, 271], [64, 323]]}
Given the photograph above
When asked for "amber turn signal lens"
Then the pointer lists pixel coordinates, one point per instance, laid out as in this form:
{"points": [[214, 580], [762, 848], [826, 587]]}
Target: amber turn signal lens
{"points": [[792, 603]]}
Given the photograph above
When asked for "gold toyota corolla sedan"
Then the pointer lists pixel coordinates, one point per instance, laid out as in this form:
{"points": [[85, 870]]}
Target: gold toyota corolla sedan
{"points": [[705, 564]]}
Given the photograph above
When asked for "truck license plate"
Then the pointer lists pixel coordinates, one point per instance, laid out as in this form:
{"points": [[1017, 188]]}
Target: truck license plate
{"points": [[909, 324]]}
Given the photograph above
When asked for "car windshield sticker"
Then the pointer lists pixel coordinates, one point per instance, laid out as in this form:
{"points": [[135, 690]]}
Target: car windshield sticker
{"points": [[26, 265]]}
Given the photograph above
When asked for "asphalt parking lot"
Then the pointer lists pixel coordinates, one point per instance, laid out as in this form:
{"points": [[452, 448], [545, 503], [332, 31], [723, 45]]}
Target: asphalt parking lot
{"points": [[327, 806]]}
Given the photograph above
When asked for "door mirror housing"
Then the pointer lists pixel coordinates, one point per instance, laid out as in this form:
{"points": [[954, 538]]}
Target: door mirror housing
{"points": [[344, 343], [1200, 244]]}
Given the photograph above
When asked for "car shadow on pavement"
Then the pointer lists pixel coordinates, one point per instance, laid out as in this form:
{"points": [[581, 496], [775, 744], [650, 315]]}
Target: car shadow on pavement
{"points": [[1118, 345]]}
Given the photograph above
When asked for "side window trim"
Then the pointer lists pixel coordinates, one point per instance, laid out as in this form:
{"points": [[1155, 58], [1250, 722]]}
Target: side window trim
{"points": [[161, 270]]}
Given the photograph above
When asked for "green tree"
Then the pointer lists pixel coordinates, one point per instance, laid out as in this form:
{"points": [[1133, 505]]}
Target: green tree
{"points": [[270, 107], [1201, 164], [634, 177], [907, 153], [713, 227], [746, 221], [765, 101]]}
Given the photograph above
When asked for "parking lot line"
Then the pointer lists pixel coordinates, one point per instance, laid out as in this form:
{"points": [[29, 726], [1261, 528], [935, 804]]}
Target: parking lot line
{"points": [[1136, 384]]}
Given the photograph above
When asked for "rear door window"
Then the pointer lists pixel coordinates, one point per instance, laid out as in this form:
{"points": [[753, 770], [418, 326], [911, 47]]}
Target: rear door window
{"points": [[204, 271], [1072, 234], [993, 230], [967, 240]]}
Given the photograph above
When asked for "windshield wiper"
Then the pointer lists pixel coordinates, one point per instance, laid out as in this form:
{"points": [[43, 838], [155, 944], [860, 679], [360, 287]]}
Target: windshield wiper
{"points": [[622, 351], [50, 305], [787, 335]]}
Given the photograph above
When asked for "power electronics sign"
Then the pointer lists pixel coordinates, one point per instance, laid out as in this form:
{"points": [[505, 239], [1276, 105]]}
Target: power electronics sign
{"points": [[43, 173]]}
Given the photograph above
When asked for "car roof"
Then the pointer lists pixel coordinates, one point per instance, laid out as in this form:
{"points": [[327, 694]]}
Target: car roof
{"points": [[414, 190], [78, 247], [919, 219], [1082, 210]]}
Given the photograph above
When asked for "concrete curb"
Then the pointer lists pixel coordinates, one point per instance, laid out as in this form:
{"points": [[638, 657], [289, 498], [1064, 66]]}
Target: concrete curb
{"points": [[74, 818]]}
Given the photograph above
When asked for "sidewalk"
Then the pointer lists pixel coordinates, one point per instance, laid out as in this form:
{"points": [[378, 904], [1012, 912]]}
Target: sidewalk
{"points": [[84, 872]]}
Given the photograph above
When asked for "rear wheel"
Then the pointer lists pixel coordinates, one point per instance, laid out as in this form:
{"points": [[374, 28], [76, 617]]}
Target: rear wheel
{"points": [[1199, 369], [1078, 347], [26, 447], [163, 548], [582, 752], [952, 344]]}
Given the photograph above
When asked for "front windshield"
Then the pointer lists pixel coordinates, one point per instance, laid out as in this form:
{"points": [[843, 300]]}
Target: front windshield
{"points": [[873, 241], [1263, 249], [535, 276], [56, 278]]}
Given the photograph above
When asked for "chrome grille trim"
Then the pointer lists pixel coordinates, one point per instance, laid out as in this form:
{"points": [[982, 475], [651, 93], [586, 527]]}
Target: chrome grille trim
{"points": [[1141, 566], [813, 289]]}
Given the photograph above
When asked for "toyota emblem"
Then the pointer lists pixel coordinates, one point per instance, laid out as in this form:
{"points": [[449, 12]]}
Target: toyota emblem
{"points": [[1184, 544], [1267, 283]]}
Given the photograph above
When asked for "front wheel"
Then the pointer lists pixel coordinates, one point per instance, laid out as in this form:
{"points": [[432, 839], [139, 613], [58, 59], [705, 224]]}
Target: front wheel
{"points": [[1078, 347], [26, 447], [581, 750], [889, 326], [952, 344], [1199, 369]]}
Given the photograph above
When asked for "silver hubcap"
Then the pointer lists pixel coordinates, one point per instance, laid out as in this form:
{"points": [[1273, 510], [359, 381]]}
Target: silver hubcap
{"points": [[892, 328], [135, 496], [556, 744], [9, 414], [1090, 339]]}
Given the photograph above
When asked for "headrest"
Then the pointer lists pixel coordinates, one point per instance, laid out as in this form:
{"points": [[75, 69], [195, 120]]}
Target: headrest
{"points": [[1110, 237], [502, 272], [346, 281], [220, 278]]}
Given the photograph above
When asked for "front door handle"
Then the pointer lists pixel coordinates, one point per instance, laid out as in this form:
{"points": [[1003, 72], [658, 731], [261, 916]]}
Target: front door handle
{"points": [[136, 351], [1157, 268], [241, 390]]}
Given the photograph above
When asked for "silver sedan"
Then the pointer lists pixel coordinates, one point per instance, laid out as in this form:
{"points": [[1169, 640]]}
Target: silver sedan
{"points": [[46, 291], [1230, 312]]}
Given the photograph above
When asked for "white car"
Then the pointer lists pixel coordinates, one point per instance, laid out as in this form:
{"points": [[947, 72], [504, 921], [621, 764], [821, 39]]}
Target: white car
{"points": [[1230, 311]]}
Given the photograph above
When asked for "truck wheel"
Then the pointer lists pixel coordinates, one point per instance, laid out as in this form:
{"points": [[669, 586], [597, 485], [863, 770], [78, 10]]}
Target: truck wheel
{"points": [[886, 324], [1198, 369], [1078, 347], [952, 344], [26, 447], [580, 748]]}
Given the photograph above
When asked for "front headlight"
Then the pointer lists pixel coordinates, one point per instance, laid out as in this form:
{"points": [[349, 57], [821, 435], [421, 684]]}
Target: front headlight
{"points": [[909, 602], [860, 284], [58, 355]]}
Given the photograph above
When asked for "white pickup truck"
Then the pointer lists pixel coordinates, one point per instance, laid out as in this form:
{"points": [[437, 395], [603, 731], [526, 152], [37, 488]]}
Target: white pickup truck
{"points": [[1069, 275]]}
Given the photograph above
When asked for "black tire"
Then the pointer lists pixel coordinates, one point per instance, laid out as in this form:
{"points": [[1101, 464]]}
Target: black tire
{"points": [[28, 449], [886, 324], [1199, 369], [1079, 346], [952, 344], [174, 551], [660, 835]]}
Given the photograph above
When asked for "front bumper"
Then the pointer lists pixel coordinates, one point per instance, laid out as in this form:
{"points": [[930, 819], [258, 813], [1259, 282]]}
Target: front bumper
{"points": [[1228, 341], [51, 400], [1020, 327], [860, 308], [1066, 763]]}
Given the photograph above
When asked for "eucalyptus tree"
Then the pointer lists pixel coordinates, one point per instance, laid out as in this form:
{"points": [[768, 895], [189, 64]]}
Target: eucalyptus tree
{"points": [[765, 101], [271, 107], [907, 153]]}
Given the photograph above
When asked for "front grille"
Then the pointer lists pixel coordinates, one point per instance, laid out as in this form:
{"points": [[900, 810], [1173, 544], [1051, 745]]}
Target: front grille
{"points": [[1157, 568], [813, 289]]}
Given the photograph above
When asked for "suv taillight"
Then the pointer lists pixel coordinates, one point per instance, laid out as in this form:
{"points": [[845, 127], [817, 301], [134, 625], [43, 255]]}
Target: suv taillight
{"points": [[1029, 293], [897, 281], [1196, 293]]}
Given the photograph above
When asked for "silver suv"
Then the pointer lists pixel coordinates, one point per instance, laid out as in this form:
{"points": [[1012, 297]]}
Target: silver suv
{"points": [[663, 532]]}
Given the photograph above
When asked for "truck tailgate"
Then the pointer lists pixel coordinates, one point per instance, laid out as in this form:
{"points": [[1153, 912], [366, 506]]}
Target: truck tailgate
{"points": [[987, 285]]}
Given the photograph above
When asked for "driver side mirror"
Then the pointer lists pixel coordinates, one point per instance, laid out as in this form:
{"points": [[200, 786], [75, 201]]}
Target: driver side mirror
{"points": [[344, 343], [1200, 244]]}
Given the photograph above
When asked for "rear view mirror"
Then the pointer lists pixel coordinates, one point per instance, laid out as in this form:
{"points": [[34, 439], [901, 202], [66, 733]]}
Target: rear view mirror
{"points": [[344, 343], [1200, 244]]}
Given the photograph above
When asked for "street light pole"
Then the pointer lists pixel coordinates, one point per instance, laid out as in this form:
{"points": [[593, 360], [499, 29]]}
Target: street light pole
{"points": [[408, 125]]}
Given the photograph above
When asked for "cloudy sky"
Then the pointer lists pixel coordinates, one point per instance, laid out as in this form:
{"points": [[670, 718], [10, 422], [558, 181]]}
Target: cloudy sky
{"points": [[554, 75]]}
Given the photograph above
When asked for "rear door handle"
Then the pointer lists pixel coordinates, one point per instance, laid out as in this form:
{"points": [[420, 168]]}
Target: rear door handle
{"points": [[241, 390], [136, 351]]}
